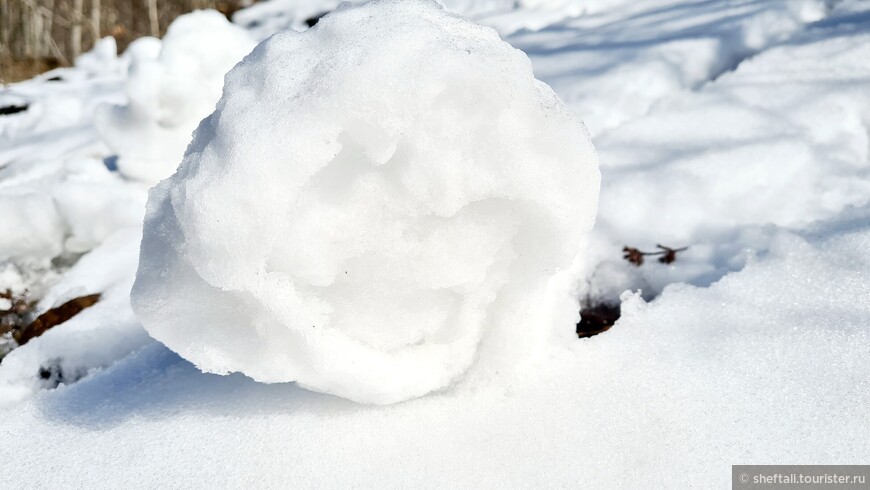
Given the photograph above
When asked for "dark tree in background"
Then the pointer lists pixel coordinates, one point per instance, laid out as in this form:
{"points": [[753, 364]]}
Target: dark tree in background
{"points": [[36, 35]]}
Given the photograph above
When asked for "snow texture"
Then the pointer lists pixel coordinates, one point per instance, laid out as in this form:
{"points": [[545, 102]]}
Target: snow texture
{"points": [[268, 17], [52, 211], [368, 240], [169, 90], [740, 128]]}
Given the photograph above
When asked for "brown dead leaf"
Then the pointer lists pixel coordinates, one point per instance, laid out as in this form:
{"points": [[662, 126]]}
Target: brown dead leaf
{"points": [[53, 317]]}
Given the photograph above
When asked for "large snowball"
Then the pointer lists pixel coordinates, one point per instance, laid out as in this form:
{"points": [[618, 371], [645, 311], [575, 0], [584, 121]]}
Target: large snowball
{"points": [[376, 205]]}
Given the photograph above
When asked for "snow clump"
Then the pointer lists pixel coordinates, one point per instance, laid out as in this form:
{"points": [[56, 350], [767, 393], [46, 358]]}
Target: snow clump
{"points": [[378, 205], [170, 88]]}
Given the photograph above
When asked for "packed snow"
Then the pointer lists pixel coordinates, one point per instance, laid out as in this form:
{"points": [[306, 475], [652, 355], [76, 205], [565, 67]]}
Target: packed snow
{"points": [[171, 86], [372, 241], [740, 129]]}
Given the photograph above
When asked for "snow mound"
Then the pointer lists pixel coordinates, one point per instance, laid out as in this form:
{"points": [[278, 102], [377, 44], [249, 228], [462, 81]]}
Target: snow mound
{"points": [[30, 227], [376, 205], [267, 17], [170, 90], [52, 211]]}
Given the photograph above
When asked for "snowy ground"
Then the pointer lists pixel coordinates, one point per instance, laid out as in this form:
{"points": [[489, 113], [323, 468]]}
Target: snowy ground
{"points": [[738, 128]]}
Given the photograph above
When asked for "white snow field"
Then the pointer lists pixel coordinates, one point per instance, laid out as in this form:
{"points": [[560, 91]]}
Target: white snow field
{"points": [[740, 129]]}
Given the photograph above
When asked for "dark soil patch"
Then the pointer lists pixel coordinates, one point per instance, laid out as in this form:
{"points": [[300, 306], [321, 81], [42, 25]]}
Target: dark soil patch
{"points": [[16, 70], [597, 318], [12, 109], [15, 313], [312, 21]]}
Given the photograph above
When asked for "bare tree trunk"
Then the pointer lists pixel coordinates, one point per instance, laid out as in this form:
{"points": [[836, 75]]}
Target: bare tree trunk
{"points": [[48, 38], [5, 25], [75, 39], [27, 27], [45, 31], [153, 19], [38, 32], [58, 53], [95, 20], [5, 54]]}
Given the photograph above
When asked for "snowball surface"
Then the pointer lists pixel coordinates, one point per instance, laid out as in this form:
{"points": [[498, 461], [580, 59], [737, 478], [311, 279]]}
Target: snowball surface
{"points": [[377, 205]]}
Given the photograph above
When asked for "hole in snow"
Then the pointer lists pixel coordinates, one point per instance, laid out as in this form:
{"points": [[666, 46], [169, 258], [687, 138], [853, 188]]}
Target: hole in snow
{"points": [[52, 375], [12, 109], [312, 21], [597, 318]]}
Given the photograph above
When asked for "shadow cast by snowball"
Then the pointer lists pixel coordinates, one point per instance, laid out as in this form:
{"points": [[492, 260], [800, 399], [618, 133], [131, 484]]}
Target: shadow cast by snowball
{"points": [[156, 383]]}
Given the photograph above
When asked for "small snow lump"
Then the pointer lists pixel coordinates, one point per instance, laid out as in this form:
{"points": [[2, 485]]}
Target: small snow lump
{"points": [[377, 208], [172, 84]]}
